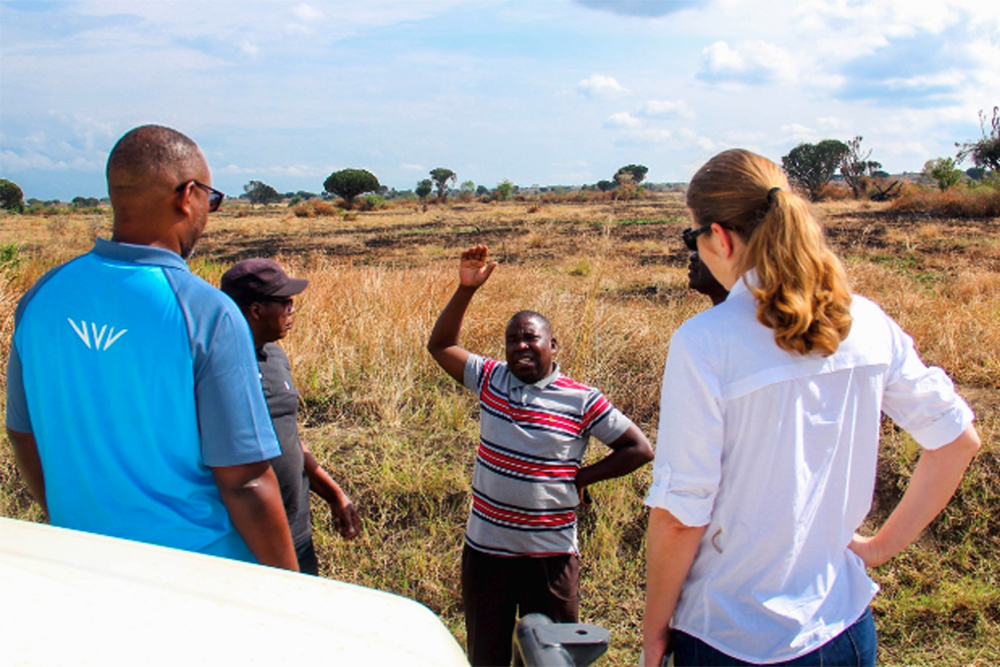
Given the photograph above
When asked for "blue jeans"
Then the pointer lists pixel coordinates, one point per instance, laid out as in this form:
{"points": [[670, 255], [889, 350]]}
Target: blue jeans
{"points": [[854, 647]]}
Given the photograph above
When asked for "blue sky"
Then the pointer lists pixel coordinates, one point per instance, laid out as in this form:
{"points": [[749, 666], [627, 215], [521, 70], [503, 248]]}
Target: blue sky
{"points": [[548, 92]]}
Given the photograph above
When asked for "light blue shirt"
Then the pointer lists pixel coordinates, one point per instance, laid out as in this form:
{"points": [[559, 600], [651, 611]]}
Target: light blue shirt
{"points": [[135, 376]]}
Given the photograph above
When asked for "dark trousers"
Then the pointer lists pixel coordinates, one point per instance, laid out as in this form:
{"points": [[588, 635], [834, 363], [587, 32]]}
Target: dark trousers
{"points": [[306, 555], [854, 647], [496, 590]]}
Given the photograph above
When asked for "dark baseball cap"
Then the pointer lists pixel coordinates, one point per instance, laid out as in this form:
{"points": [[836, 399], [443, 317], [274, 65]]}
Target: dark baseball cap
{"points": [[259, 279]]}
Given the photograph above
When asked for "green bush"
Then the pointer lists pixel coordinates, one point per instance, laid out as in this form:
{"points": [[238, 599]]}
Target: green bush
{"points": [[11, 196], [371, 203], [10, 255]]}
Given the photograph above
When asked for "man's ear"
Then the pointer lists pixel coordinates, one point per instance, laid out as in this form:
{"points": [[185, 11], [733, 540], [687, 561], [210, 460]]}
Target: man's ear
{"points": [[254, 310], [555, 345], [183, 198]]}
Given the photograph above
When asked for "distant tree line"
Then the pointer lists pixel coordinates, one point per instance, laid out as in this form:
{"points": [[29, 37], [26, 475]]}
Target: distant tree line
{"points": [[813, 166], [809, 166]]}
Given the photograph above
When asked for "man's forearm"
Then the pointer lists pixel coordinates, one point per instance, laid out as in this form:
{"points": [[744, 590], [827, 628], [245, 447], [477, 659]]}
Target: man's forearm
{"points": [[618, 463], [629, 452], [253, 498], [30, 464], [320, 481], [449, 323]]}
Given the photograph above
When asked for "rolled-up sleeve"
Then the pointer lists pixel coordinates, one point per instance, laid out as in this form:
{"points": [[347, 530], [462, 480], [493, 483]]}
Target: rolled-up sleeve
{"points": [[689, 441], [922, 399]]}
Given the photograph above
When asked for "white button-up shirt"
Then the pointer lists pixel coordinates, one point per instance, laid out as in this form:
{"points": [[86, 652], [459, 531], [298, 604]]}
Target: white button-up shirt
{"points": [[776, 453]]}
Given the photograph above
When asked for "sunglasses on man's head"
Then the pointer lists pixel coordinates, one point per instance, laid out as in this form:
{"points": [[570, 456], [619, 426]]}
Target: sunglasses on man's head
{"points": [[215, 197], [690, 237]]}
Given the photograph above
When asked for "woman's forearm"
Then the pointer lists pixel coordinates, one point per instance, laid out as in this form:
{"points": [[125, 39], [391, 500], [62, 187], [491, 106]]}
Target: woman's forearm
{"points": [[670, 550]]}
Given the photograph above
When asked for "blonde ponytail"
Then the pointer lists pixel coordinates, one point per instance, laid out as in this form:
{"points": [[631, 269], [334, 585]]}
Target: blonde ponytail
{"points": [[802, 290]]}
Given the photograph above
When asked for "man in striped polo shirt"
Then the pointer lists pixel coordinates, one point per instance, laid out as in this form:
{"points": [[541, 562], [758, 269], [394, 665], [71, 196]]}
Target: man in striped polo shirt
{"points": [[521, 553]]}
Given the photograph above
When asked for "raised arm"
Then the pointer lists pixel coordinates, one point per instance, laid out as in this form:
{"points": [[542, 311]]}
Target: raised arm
{"points": [[473, 271], [935, 478], [630, 451], [250, 492]]}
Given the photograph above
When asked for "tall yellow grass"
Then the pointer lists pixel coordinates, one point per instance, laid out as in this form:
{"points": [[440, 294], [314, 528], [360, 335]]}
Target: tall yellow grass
{"points": [[611, 276]]}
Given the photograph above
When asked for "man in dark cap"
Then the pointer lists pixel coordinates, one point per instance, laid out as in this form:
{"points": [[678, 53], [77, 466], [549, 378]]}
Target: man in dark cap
{"points": [[126, 399], [265, 294]]}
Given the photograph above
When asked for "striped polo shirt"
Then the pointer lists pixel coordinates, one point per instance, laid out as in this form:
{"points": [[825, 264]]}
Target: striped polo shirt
{"points": [[532, 441]]}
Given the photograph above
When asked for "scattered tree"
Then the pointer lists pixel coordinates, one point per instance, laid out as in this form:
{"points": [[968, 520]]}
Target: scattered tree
{"points": [[258, 192], [85, 202], [424, 188], [637, 172], [811, 166], [857, 169], [504, 189], [985, 152], [604, 186], [349, 183], [975, 173], [442, 178], [625, 187], [482, 191], [11, 196], [466, 191], [943, 171]]}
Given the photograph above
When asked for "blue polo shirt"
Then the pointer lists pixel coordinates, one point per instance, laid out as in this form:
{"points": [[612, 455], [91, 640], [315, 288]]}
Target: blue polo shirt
{"points": [[135, 376]]}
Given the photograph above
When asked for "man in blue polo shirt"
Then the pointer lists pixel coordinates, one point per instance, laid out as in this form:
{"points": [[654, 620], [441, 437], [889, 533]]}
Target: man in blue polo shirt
{"points": [[126, 385]]}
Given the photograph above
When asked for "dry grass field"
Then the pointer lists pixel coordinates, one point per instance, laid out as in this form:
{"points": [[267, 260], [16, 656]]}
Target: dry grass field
{"points": [[612, 277]]}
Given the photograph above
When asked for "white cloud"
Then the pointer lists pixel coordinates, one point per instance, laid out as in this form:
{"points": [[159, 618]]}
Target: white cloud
{"points": [[623, 119], [13, 162], [665, 109], [753, 62], [307, 13], [798, 132], [599, 85], [831, 123], [412, 167]]}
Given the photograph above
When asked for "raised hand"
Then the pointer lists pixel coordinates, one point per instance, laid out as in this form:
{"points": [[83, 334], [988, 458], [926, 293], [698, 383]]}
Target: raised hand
{"points": [[474, 270]]}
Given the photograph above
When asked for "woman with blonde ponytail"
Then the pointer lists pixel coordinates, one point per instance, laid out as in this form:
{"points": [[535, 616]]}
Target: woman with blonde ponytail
{"points": [[768, 441]]}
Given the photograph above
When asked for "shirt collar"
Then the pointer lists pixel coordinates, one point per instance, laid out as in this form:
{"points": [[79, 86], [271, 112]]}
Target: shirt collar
{"points": [[541, 384], [139, 254], [750, 278]]}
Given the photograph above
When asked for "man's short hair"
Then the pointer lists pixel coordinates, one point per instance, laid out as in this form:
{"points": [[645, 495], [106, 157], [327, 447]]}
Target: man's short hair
{"points": [[152, 154], [531, 314]]}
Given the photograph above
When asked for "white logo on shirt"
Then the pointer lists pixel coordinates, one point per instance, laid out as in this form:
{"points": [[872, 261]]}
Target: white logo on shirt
{"points": [[98, 337]]}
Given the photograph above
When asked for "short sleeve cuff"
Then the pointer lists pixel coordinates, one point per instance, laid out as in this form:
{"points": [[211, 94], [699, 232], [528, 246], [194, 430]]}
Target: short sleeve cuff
{"points": [[611, 427], [689, 509], [473, 368], [946, 428]]}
